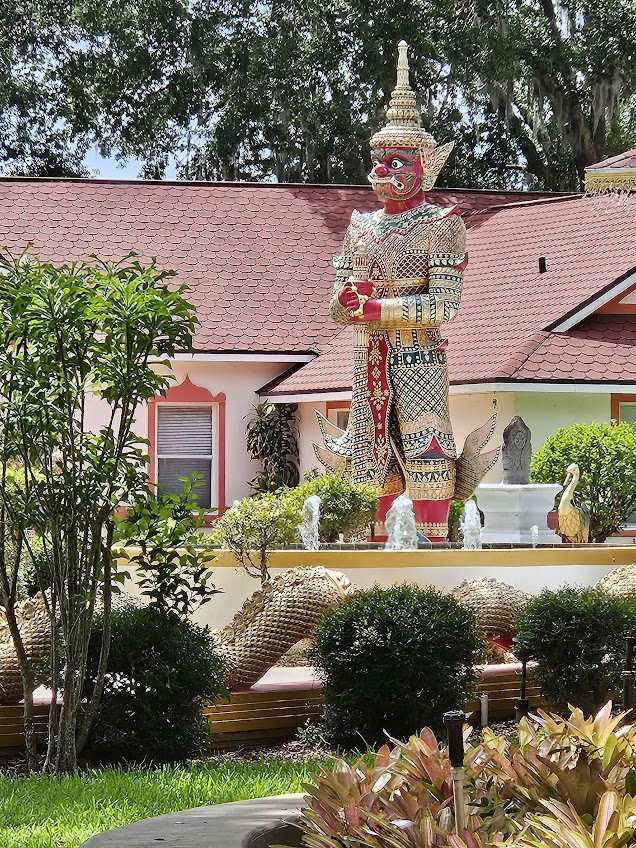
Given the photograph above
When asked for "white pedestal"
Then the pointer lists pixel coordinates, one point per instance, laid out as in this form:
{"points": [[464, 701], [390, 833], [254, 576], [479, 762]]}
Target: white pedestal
{"points": [[510, 512]]}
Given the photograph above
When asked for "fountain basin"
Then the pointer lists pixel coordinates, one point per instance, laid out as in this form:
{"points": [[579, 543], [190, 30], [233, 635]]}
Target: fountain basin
{"points": [[510, 511]]}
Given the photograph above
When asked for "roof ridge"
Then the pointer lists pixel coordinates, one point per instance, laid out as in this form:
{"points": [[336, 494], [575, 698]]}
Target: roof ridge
{"points": [[277, 185], [540, 200], [590, 299], [522, 354]]}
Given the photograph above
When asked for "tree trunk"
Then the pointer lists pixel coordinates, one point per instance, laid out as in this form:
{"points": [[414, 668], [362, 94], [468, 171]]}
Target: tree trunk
{"points": [[28, 685], [96, 696]]}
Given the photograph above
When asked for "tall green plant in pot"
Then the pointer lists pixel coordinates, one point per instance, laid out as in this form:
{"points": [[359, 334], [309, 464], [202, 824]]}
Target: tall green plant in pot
{"points": [[272, 439]]}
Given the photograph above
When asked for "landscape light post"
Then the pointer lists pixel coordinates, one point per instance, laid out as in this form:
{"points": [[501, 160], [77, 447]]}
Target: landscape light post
{"points": [[522, 704], [454, 721], [629, 675]]}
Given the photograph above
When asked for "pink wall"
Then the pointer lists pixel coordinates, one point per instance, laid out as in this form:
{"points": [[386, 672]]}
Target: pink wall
{"points": [[239, 382]]}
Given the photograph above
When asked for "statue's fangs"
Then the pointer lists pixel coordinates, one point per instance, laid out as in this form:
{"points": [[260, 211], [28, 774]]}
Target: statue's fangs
{"points": [[398, 278]]}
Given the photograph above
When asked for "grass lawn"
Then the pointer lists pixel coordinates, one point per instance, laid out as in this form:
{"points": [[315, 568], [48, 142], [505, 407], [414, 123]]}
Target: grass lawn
{"points": [[45, 812]]}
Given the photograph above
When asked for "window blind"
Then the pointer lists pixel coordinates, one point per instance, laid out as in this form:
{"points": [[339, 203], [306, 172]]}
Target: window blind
{"points": [[185, 445], [184, 430]]}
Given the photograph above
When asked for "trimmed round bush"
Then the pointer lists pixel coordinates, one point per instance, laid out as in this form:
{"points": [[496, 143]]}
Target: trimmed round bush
{"points": [[578, 637], [394, 660], [161, 669], [346, 508]]}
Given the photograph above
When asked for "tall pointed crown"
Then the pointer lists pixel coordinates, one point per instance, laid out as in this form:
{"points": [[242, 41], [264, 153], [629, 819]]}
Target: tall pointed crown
{"points": [[403, 128], [402, 117]]}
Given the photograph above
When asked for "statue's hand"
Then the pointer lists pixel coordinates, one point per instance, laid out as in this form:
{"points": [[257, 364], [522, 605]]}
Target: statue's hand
{"points": [[370, 312], [348, 292], [354, 296]]}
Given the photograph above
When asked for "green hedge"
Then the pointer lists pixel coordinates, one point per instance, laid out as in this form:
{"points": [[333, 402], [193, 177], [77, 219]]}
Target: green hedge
{"points": [[161, 669], [578, 637]]}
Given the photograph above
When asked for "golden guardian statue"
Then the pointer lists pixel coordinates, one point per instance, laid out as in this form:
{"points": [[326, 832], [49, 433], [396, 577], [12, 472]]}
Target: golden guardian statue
{"points": [[398, 279]]}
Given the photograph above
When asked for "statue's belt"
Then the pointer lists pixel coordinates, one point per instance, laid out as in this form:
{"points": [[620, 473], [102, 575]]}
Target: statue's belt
{"points": [[410, 358]]}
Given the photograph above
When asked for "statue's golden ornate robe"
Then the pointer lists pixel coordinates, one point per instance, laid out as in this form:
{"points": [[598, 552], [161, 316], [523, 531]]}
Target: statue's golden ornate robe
{"points": [[399, 429]]}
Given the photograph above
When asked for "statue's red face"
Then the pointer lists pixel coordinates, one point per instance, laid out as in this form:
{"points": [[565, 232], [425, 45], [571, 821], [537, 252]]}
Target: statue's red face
{"points": [[396, 174]]}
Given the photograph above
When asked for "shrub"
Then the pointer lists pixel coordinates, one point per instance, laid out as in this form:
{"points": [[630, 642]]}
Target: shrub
{"points": [[346, 508], [272, 438], [606, 456], [252, 527], [558, 784], [161, 669], [394, 659], [172, 572], [577, 637]]}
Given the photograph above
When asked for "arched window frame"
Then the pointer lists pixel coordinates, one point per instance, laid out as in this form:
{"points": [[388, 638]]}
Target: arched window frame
{"points": [[188, 394]]}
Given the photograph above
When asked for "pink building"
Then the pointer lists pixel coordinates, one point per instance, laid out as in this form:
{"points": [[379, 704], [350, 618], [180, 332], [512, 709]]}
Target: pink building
{"points": [[546, 328]]}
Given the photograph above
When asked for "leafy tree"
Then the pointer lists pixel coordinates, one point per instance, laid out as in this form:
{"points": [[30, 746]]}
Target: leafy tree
{"points": [[531, 92], [171, 570], [606, 456], [562, 73], [68, 334], [35, 139], [253, 527], [272, 438]]}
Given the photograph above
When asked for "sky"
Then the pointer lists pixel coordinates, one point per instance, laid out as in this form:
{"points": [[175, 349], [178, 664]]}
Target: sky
{"points": [[110, 168]]}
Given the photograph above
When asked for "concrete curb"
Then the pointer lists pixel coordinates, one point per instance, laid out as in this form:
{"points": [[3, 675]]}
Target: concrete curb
{"points": [[219, 826]]}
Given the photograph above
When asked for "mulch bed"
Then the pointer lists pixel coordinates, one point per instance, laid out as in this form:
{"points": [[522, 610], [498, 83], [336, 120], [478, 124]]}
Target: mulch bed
{"points": [[14, 765]]}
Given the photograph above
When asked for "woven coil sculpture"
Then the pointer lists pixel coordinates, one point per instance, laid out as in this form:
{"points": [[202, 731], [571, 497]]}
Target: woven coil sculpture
{"points": [[620, 581], [286, 609], [495, 604], [35, 628]]}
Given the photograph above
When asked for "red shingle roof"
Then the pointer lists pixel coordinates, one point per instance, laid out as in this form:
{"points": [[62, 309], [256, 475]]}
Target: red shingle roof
{"points": [[500, 332], [257, 259], [601, 349], [623, 160], [256, 256]]}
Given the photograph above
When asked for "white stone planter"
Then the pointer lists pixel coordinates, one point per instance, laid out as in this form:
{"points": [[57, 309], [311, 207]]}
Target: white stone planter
{"points": [[510, 512]]}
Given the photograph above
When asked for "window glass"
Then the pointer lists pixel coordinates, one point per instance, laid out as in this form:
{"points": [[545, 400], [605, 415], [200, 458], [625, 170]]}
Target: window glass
{"points": [[627, 413], [342, 418], [185, 437]]}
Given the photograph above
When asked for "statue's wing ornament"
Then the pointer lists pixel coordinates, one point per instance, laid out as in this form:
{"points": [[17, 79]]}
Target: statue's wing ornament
{"points": [[336, 453], [334, 462], [472, 465], [327, 427]]}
